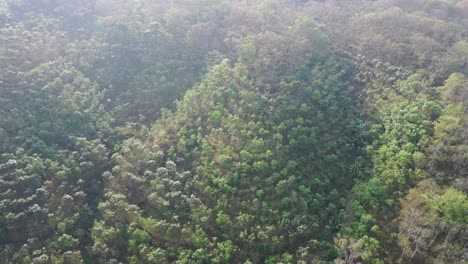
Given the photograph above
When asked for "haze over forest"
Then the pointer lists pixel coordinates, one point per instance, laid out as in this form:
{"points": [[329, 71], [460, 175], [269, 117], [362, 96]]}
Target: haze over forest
{"points": [[221, 131]]}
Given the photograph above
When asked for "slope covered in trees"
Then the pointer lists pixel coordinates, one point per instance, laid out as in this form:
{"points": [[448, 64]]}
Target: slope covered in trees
{"points": [[218, 131]]}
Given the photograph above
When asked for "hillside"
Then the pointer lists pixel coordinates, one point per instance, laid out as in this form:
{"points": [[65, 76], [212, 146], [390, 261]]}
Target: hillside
{"points": [[218, 131]]}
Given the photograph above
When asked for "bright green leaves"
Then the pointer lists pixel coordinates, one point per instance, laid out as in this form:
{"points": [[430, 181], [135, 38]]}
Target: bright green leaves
{"points": [[223, 223], [138, 243], [451, 205], [411, 118], [226, 251], [405, 128], [407, 114], [432, 223]]}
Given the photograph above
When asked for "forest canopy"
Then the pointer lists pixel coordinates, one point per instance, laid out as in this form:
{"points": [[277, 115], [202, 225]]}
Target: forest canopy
{"points": [[220, 131]]}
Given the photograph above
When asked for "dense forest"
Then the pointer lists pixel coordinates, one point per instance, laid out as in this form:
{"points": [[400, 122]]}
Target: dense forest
{"points": [[221, 131]]}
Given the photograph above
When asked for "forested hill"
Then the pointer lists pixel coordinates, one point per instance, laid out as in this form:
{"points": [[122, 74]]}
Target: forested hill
{"points": [[220, 131]]}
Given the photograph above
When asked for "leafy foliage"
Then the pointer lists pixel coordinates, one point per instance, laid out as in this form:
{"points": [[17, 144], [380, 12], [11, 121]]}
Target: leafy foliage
{"points": [[219, 131]]}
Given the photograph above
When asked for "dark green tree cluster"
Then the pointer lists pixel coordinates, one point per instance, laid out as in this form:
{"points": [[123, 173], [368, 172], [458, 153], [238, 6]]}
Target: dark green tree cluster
{"points": [[53, 156], [236, 174]]}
